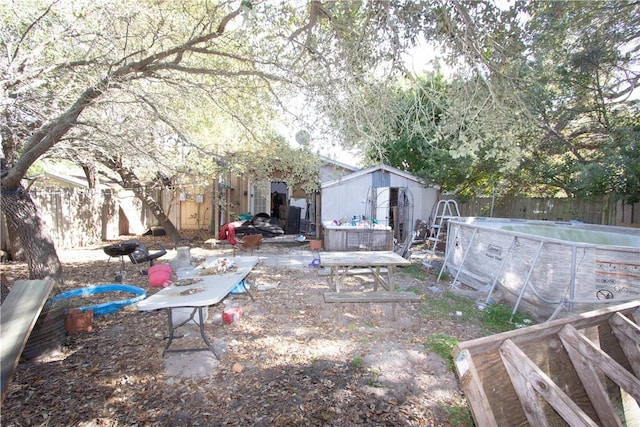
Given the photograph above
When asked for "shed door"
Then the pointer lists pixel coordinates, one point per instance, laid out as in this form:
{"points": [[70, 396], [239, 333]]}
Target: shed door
{"points": [[383, 199]]}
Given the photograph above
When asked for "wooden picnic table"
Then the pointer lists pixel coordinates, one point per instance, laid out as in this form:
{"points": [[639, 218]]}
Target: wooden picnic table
{"points": [[380, 263]]}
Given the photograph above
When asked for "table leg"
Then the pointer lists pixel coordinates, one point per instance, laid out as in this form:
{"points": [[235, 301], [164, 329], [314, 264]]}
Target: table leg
{"points": [[172, 329], [202, 334], [390, 288], [246, 289], [380, 280]]}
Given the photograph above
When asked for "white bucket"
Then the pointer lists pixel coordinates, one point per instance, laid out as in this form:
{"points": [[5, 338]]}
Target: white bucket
{"points": [[182, 258], [179, 315]]}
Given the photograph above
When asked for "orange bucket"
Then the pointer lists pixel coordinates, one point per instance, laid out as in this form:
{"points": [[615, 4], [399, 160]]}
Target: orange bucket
{"points": [[315, 245]]}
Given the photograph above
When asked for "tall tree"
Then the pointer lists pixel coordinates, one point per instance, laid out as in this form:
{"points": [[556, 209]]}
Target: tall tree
{"points": [[542, 94], [582, 73], [421, 141], [66, 65], [50, 81], [562, 74]]}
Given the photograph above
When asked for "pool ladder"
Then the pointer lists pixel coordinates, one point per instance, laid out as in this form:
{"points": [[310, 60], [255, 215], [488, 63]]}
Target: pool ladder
{"points": [[444, 211]]}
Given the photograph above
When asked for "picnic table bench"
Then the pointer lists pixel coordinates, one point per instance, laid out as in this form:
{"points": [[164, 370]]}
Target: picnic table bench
{"points": [[379, 263]]}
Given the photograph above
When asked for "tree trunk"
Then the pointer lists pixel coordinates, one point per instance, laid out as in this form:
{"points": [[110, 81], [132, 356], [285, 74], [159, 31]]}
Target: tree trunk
{"points": [[131, 181], [21, 214], [13, 244], [91, 173], [149, 202]]}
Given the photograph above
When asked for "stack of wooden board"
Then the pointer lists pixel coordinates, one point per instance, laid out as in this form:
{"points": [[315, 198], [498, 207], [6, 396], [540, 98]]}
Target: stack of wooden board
{"points": [[582, 370]]}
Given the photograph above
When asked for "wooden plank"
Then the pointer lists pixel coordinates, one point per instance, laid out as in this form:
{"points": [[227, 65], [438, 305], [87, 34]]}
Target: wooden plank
{"points": [[532, 333], [592, 384], [371, 297], [524, 389], [628, 334], [472, 386], [351, 271], [543, 346], [18, 316], [590, 353], [527, 377]]}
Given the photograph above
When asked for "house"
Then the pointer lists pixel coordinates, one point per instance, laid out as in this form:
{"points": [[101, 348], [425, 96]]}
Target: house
{"points": [[332, 169], [192, 207], [383, 195], [77, 215]]}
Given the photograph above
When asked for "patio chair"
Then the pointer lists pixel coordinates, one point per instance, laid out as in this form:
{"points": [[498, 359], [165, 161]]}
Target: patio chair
{"points": [[142, 254], [249, 243]]}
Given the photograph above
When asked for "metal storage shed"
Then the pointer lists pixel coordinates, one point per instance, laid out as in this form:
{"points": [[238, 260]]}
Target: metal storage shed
{"points": [[381, 193]]}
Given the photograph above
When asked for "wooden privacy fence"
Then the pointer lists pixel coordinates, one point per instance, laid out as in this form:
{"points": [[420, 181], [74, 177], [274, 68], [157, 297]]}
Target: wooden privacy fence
{"points": [[73, 217], [604, 210], [81, 217]]}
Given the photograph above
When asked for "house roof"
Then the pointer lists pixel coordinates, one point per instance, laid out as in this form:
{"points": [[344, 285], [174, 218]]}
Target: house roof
{"points": [[67, 179], [381, 167], [75, 180], [331, 161]]}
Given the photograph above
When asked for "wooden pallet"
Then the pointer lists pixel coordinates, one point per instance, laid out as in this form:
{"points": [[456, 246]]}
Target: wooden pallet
{"points": [[579, 371]]}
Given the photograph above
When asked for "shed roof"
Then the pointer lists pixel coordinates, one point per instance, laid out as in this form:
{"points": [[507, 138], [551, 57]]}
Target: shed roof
{"points": [[74, 181], [381, 167]]}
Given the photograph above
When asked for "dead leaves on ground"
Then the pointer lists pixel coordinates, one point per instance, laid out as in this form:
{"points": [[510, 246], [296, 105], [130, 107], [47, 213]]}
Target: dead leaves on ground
{"points": [[289, 361]]}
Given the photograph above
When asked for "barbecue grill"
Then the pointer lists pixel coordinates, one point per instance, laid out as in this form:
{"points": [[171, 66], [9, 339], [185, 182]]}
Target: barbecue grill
{"points": [[119, 250]]}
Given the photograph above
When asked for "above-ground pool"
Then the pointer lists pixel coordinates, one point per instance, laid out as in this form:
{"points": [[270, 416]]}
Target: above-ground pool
{"points": [[545, 268]]}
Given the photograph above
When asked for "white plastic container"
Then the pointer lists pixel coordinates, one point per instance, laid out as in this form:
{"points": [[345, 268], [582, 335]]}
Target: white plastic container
{"points": [[187, 273], [182, 258], [180, 315]]}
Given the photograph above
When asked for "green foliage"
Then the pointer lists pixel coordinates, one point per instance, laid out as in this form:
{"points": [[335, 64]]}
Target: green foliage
{"points": [[447, 304], [458, 414], [421, 140], [357, 363], [374, 378], [442, 345], [494, 318], [536, 108], [499, 318], [295, 166], [414, 270], [575, 86]]}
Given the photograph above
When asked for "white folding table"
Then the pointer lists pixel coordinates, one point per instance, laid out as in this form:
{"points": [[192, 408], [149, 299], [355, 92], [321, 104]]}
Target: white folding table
{"points": [[208, 291]]}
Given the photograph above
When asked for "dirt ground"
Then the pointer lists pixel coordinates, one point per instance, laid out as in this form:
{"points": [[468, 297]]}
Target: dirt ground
{"points": [[290, 360]]}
